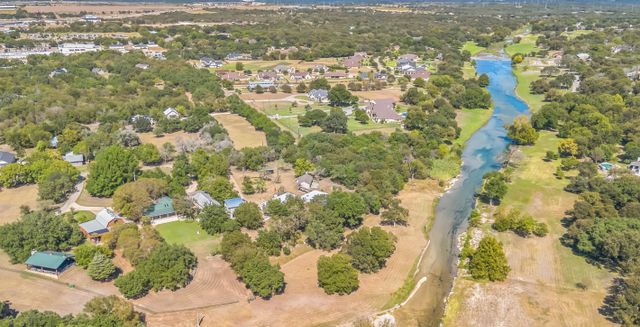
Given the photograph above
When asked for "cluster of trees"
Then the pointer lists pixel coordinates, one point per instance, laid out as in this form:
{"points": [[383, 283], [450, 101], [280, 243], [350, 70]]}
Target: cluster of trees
{"points": [[96, 259], [521, 132], [333, 122], [41, 231], [55, 177], [134, 198], [494, 187], [520, 223], [252, 264], [165, 267], [99, 311], [113, 167]]}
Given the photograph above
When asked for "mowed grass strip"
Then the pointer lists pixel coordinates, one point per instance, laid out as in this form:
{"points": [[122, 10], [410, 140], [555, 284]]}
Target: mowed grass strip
{"points": [[472, 47], [470, 121]]}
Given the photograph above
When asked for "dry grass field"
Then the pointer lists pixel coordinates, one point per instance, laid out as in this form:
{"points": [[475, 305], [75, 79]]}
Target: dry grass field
{"points": [[76, 8], [542, 287], [380, 94], [265, 96], [241, 132], [171, 138], [307, 304], [12, 198]]}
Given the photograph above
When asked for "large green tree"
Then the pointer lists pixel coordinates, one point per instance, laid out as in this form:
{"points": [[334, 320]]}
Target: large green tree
{"points": [[101, 267], [488, 261], [248, 215], [340, 96], [336, 275], [370, 248], [336, 122], [113, 167]]}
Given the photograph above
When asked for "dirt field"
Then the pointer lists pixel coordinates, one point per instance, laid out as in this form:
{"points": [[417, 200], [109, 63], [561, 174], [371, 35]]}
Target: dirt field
{"points": [[12, 198], [171, 138], [241, 132], [76, 8], [305, 303], [541, 289], [381, 94], [265, 96]]}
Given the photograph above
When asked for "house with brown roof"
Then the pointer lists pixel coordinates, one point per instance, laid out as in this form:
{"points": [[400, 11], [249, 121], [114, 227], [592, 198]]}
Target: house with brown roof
{"points": [[408, 57], [335, 75], [419, 73], [383, 110]]}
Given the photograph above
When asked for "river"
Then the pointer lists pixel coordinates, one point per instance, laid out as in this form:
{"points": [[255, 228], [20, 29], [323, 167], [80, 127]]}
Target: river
{"points": [[484, 152]]}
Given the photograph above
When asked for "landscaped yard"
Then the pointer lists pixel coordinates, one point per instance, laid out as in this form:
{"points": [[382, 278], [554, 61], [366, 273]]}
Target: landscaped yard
{"points": [[190, 234], [83, 215], [471, 120]]}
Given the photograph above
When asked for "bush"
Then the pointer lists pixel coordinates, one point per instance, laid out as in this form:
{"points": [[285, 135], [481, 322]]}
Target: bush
{"points": [[248, 215]]}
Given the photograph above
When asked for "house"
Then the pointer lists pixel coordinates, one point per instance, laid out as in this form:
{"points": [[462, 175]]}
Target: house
{"points": [[94, 229], [419, 73], [6, 158], [583, 56], [318, 95], [73, 48], [308, 197], [57, 72], [142, 66], [135, 118], [298, 76], [210, 63], [281, 68], [54, 142], [383, 110], [409, 57], [352, 62], [91, 18], [283, 197], [74, 159], [272, 76], [633, 73], [231, 76], [634, 166], [619, 48], [307, 183], [49, 262], [405, 66], [238, 56], [161, 208], [171, 113], [232, 204], [335, 75], [263, 84], [320, 68], [202, 199]]}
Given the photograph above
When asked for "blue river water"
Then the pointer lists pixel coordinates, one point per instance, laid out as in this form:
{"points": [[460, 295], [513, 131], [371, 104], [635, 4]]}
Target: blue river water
{"points": [[484, 152]]}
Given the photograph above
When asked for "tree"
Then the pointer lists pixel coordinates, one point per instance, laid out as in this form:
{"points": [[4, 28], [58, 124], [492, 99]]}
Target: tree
{"points": [[269, 241], [115, 307], [567, 148], [218, 187], [239, 66], [340, 96], [301, 88], [286, 88], [624, 302], [142, 124], [303, 166], [215, 219], [517, 58], [370, 248], [132, 199], [312, 118], [319, 83], [396, 214], [101, 267], [349, 206], [494, 187], [247, 185], [336, 122], [361, 116], [413, 96], [483, 80], [336, 275], [84, 253], [324, 229], [489, 261], [521, 131], [148, 154], [57, 181], [113, 167], [248, 215]]}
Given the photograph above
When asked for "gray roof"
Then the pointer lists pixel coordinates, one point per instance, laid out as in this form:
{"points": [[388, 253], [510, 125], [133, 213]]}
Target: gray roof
{"points": [[100, 224], [73, 158], [7, 157], [318, 94], [306, 178], [203, 199], [383, 109]]}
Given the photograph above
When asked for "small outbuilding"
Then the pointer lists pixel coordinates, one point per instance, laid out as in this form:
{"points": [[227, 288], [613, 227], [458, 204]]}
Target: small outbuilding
{"points": [[49, 262], [307, 183]]}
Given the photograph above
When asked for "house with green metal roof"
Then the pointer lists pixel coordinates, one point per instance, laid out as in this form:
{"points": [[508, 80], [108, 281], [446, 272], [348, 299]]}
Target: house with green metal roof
{"points": [[163, 207], [49, 262]]}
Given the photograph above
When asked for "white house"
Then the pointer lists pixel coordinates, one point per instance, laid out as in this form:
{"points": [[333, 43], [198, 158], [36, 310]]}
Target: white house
{"points": [[74, 159], [308, 197], [318, 95], [171, 113], [73, 48], [634, 166], [202, 199]]}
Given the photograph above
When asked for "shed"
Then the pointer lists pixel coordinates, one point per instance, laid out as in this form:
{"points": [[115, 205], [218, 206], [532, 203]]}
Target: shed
{"points": [[306, 182], [49, 262], [308, 197]]}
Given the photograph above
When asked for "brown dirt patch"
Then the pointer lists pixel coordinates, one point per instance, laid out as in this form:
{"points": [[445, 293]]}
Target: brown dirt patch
{"points": [[76, 8], [12, 198], [243, 134], [381, 94], [171, 138]]}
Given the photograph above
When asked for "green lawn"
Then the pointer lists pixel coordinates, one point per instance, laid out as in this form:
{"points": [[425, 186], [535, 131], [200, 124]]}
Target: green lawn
{"points": [[190, 234], [576, 33], [526, 45], [444, 169], [390, 62], [468, 71], [472, 47], [355, 125], [471, 121], [83, 215], [525, 78]]}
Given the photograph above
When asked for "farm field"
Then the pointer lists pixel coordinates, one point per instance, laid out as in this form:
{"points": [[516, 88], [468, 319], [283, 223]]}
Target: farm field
{"points": [[99, 8], [542, 288], [12, 198], [241, 132], [255, 65]]}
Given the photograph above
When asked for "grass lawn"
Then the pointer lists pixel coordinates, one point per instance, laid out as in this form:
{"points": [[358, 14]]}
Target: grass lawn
{"points": [[292, 125], [526, 45], [468, 71], [576, 33], [472, 47], [525, 78], [444, 169], [85, 199], [83, 215], [190, 234], [390, 62], [470, 121], [356, 126]]}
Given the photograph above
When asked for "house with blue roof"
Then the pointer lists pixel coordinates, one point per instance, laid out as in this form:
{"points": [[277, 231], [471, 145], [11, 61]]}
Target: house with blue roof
{"points": [[94, 229], [232, 204], [49, 262]]}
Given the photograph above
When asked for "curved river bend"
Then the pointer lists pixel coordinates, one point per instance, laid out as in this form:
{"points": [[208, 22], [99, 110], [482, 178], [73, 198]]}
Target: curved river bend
{"points": [[483, 153]]}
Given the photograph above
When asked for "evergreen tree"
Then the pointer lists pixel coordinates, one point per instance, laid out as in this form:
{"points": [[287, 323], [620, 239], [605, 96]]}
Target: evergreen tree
{"points": [[489, 261], [101, 267]]}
